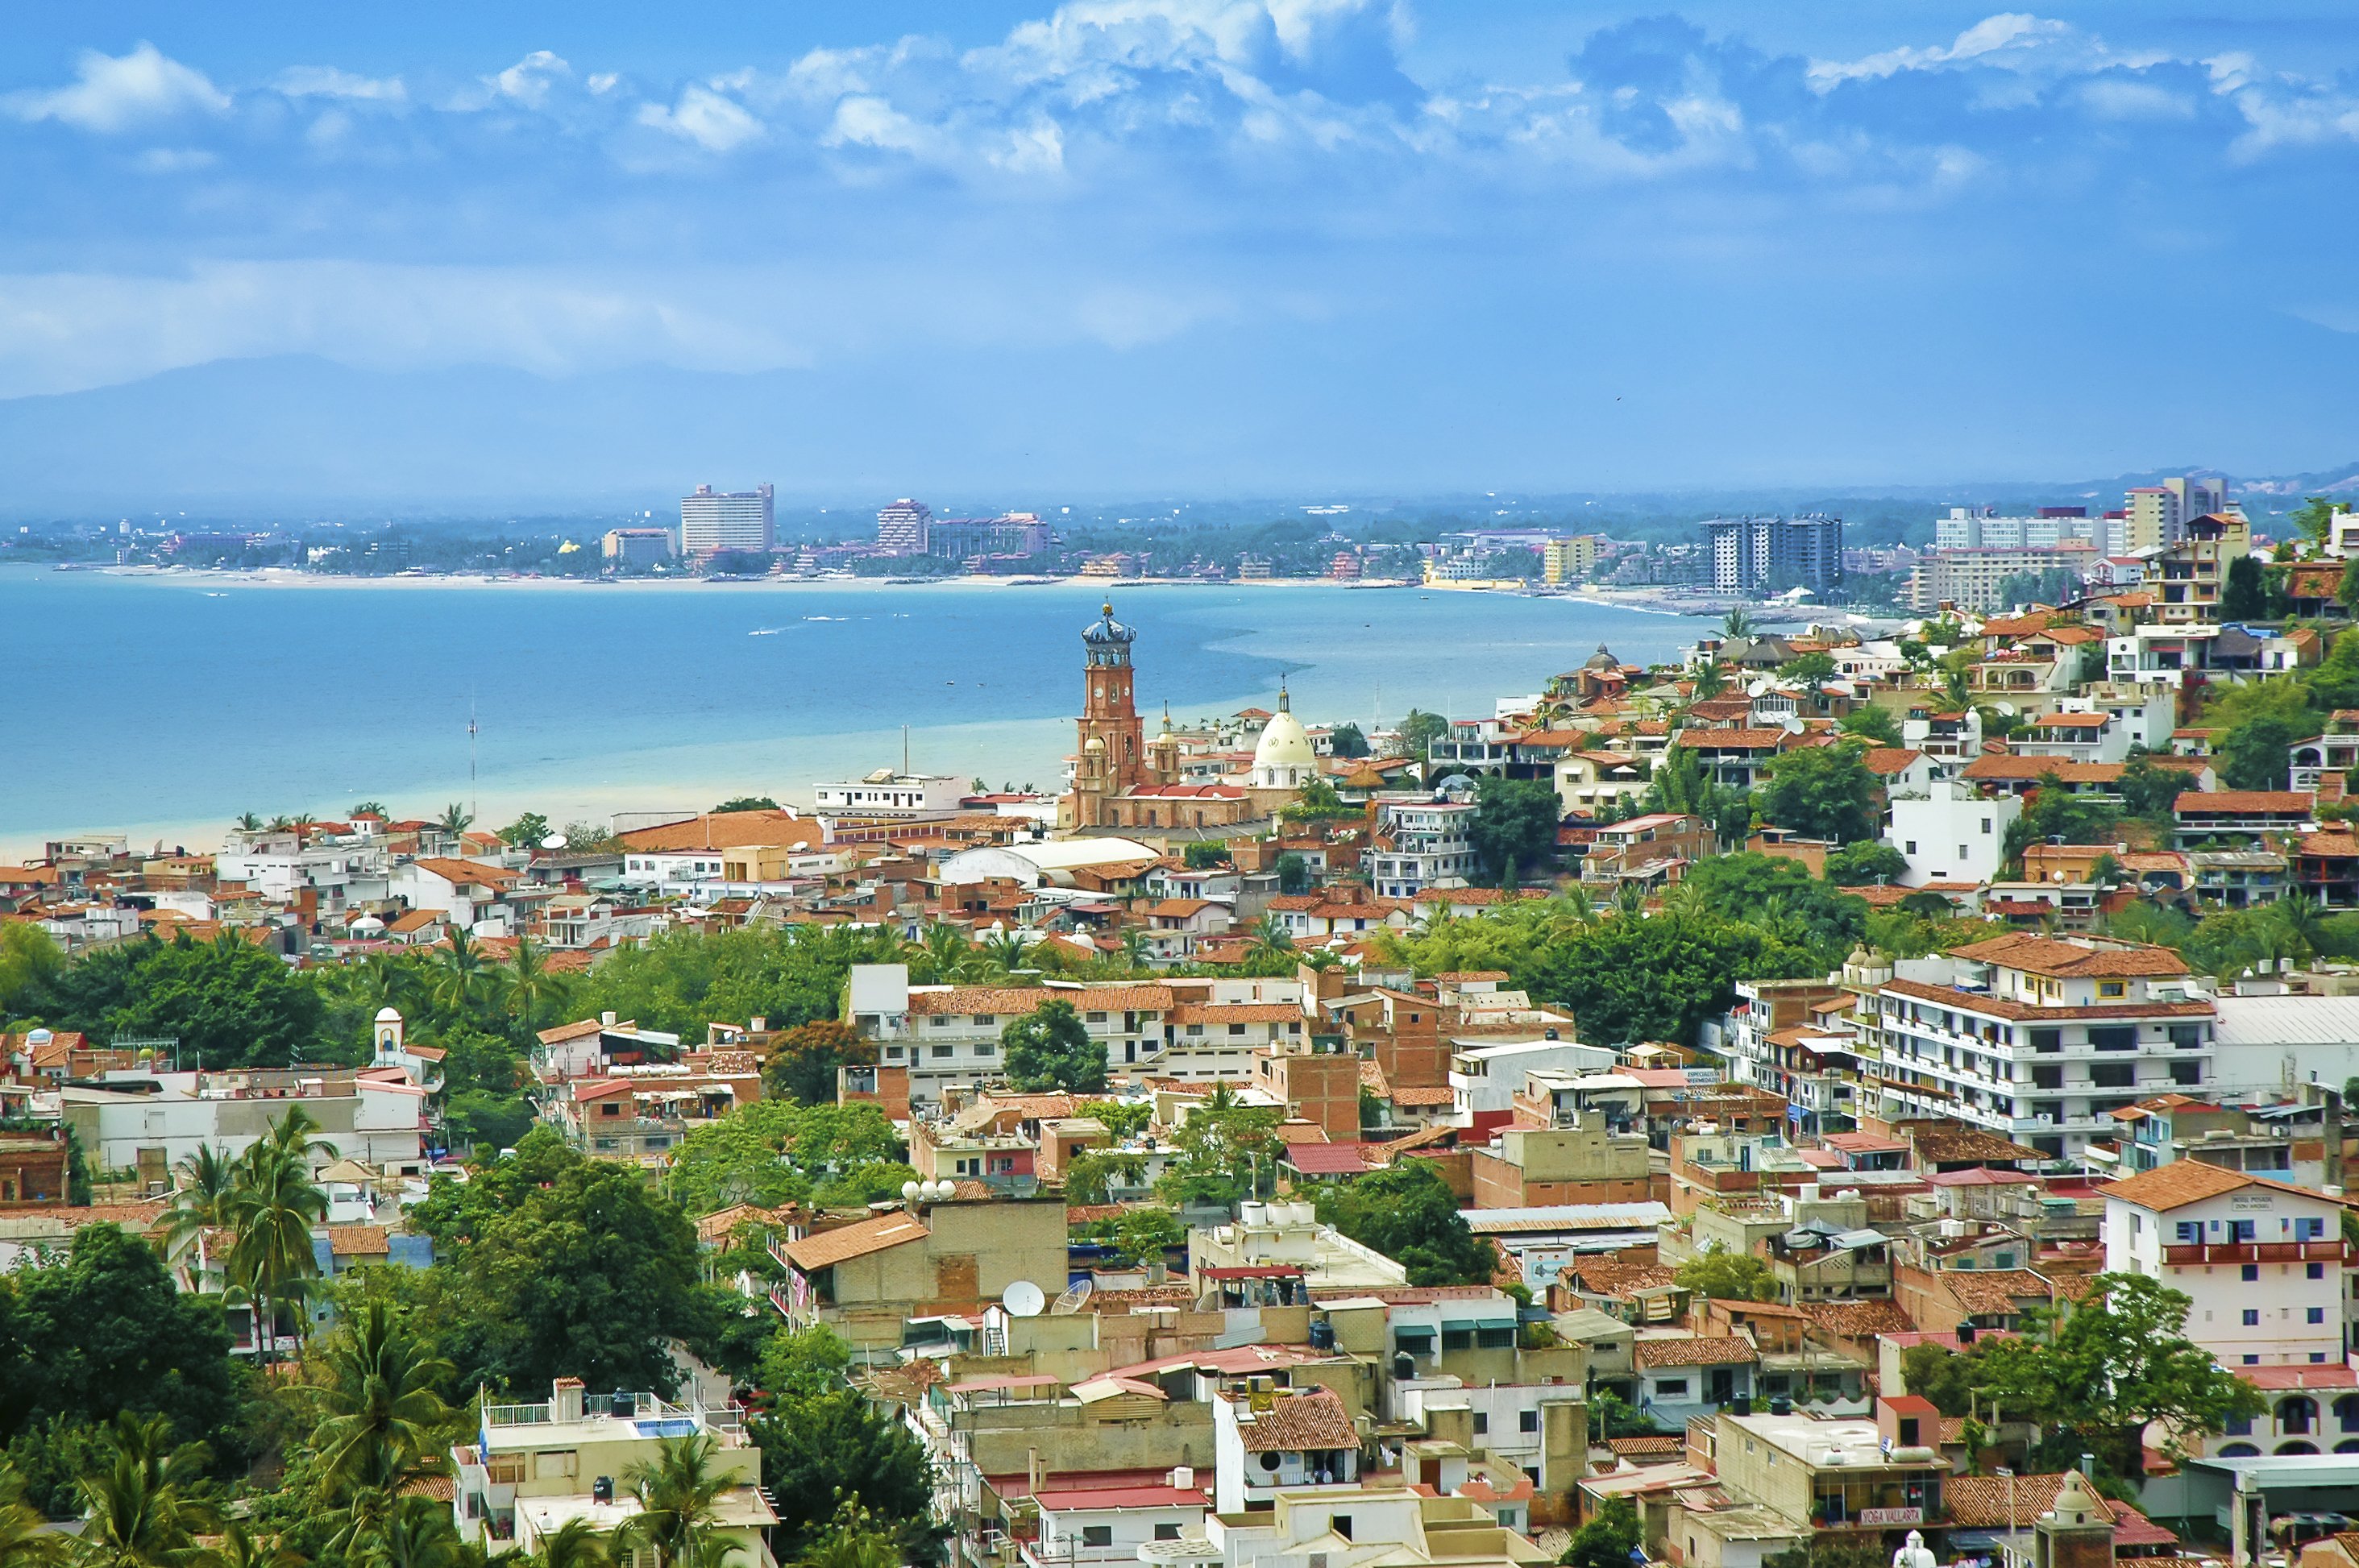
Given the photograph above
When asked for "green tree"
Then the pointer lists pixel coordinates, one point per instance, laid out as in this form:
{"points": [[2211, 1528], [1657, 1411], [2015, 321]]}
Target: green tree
{"points": [[479, 1119], [1781, 897], [30, 962], [1408, 1212], [272, 1206], [1145, 1235], [676, 1492], [2245, 597], [803, 1061], [383, 1422], [1736, 626], [140, 1510], [1814, 670], [455, 819], [525, 832], [229, 1003], [803, 1363], [1293, 874], [1346, 741], [1050, 1048], [201, 1197], [105, 1330], [2118, 1361], [761, 802], [1658, 977], [1227, 1152], [26, 1540], [2314, 517], [776, 1150], [1865, 863], [1515, 824], [576, 1543], [1871, 724], [1419, 731], [1204, 854], [2147, 790], [1611, 1537], [2255, 754], [1723, 1276], [821, 1451], [854, 1538], [1821, 792]]}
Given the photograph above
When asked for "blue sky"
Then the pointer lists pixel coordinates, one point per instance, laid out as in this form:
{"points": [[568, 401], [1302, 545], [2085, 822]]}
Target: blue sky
{"points": [[1225, 245]]}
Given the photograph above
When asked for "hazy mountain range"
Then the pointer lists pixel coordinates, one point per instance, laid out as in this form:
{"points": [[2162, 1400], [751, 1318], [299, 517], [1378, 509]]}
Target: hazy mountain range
{"points": [[301, 438]]}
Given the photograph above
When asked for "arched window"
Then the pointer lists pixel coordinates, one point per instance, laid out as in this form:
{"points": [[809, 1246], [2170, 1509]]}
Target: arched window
{"points": [[2348, 1446], [2298, 1415], [2239, 1451], [2296, 1448], [2346, 1412]]}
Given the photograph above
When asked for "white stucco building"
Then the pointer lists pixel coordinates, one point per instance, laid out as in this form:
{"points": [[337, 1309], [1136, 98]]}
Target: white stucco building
{"points": [[1952, 835]]}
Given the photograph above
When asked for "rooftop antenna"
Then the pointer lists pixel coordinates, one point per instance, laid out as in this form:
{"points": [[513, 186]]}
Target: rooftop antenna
{"points": [[474, 794], [905, 751]]}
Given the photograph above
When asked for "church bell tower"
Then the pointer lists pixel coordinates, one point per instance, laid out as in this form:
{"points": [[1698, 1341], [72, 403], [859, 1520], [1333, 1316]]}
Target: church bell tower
{"points": [[1109, 714]]}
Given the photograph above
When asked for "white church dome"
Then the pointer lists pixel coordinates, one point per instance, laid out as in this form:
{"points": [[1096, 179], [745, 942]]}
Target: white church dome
{"points": [[1283, 758]]}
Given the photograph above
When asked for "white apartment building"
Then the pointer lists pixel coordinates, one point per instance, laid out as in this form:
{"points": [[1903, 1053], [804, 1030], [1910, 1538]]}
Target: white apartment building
{"points": [[2141, 716], [1422, 844], [281, 866], [948, 1036], [150, 1121], [726, 520], [2036, 1038], [2158, 514], [1487, 1077], [887, 794], [1952, 835], [2265, 1263], [534, 1468]]}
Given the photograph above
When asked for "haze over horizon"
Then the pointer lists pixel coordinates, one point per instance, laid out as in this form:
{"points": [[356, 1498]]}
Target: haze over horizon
{"points": [[1119, 247]]}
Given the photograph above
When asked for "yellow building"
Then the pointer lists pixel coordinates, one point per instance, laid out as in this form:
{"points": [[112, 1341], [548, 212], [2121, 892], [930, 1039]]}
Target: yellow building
{"points": [[1569, 560]]}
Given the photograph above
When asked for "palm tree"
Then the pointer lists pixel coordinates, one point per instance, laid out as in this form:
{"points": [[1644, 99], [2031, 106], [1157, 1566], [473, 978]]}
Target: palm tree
{"points": [[249, 821], [381, 1422], [1736, 625], [1710, 680], [1271, 941], [575, 1545], [2298, 914], [26, 1540], [368, 808], [455, 819], [940, 951], [1133, 941], [271, 1212], [459, 972], [200, 1200], [240, 1549], [419, 1533], [531, 986], [140, 1512], [676, 1491], [1007, 949]]}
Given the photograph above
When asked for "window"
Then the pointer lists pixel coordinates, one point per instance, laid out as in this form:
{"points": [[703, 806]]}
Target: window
{"points": [[1341, 1524], [1269, 1460], [1482, 1422], [982, 1019], [1495, 1338], [2309, 1229], [1097, 1535], [1528, 1420], [941, 1053], [2252, 1270], [2313, 1270], [1459, 1338], [547, 1465], [2048, 1040], [1671, 1388], [2316, 1314], [1236, 1029], [1093, 1018], [2187, 1036], [987, 1048], [2252, 1317], [2187, 1072], [2114, 1037], [1167, 1532], [2112, 989], [2113, 1075]]}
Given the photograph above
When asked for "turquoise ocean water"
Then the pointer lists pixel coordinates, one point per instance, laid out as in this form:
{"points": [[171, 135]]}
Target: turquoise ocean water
{"points": [[163, 705]]}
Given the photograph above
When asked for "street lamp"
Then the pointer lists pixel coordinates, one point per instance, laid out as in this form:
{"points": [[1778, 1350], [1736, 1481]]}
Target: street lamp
{"points": [[2012, 1555]]}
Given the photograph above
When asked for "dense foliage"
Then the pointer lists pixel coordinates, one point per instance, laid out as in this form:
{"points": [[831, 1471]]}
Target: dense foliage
{"points": [[1408, 1212]]}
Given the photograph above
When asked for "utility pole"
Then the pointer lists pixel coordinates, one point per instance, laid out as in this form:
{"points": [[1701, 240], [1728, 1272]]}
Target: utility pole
{"points": [[475, 793]]}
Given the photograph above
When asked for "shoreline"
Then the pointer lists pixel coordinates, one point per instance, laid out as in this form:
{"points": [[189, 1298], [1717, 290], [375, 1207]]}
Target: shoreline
{"points": [[1643, 600]]}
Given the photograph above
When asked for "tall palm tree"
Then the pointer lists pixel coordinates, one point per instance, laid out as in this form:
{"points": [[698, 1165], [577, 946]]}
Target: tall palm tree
{"points": [[455, 819], [461, 972], [201, 1199], [1710, 680], [1133, 941], [382, 1423], [1736, 625], [26, 1540], [368, 808], [240, 1548], [140, 1513], [249, 822], [675, 1490], [271, 1212], [2298, 916], [530, 987]]}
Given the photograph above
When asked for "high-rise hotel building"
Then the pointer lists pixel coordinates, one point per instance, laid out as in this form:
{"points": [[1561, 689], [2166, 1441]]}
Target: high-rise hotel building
{"points": [[901, 527], [726, 520]]}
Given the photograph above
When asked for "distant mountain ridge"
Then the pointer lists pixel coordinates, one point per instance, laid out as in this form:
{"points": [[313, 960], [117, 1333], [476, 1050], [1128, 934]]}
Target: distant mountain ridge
{"points": [[302, 439]]}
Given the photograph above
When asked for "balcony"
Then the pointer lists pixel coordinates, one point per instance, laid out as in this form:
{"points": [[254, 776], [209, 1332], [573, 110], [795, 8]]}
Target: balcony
{"points": [[2337, 1252]]}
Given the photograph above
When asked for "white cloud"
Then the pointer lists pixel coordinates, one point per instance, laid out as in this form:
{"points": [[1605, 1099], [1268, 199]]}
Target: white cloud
{"points": [[703, 116], [529, 80], [2114, 98], [2007, 38], [113, 93], [327, 82], [871, 122], [174, 160]]}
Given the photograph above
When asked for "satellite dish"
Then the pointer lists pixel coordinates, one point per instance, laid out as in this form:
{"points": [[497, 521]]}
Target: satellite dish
{"points": [[1070, 1301], [909, 1191], [2008, 709], [1756, 688], [1023, 1299], [554, 841]]}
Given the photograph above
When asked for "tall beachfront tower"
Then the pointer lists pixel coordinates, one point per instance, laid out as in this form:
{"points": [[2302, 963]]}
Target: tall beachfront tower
{"points": [[1113, 755]]}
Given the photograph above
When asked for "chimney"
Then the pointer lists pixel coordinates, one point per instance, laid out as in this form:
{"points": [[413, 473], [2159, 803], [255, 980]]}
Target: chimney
{"points": [[565, 1400]]}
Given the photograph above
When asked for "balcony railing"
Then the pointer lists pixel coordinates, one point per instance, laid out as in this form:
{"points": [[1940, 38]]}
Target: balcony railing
{"points": [[2336, 1251]]}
